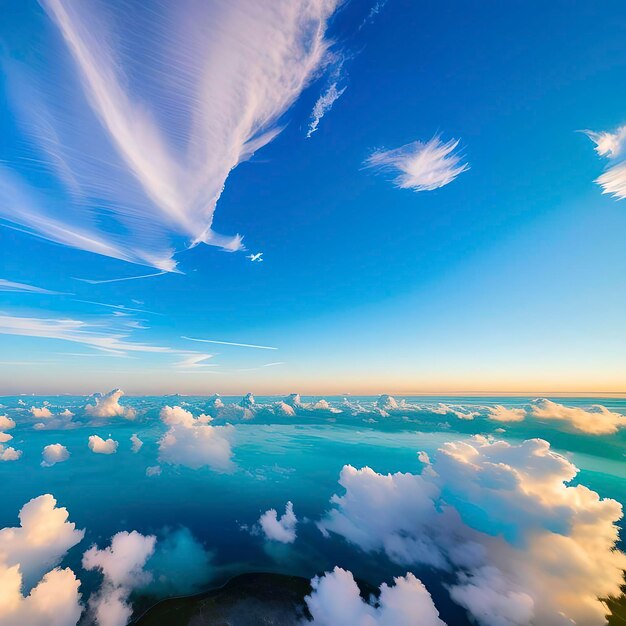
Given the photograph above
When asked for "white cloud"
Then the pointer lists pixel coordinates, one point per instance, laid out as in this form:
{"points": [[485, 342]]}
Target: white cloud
{"points": [[282, 408], [44, 412], [612, 145], [283, 529], [387, 403], [521, 544], [6, 423], [101, 446], [9, 454], [153, 470], [248, 401], [459, 412], [499, 413], [62, 421], [230, 343], [40, 541], [54, 601], [136, 443], [76, 331], [158, 158], [420, 166], [108, 405], [194, 443], [8, 285], [195, 360], [336, 600], [26, 553], [596, 420], [323, 105], [122, 566], [54, 453]]}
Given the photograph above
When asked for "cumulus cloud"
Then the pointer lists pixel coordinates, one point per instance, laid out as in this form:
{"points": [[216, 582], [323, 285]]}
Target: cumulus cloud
{"points": [[420, 166], [26, 553], [40, 541], [44, 411], [282, 408], [122, 566], [386, 403], [136, 443], [520, 543], [596, 420], [612, 145], [54, 601], [194, 443], [499, 413], [153, 470], [6, 423], [459, 412], [54, 453], [293, 404], [9, 453], [336, 600], [62, 421], [158, 157], [247, 401], [108, 405], [102, 446], [281, 529]]}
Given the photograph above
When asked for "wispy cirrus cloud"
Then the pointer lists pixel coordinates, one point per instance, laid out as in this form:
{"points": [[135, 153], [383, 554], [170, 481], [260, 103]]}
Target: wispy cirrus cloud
{"points": [[195, 360], [136, 118], [323, 105], [612, 145], [77, 331], [230, 343], [9, 285], [420, 166], [90, 281]]}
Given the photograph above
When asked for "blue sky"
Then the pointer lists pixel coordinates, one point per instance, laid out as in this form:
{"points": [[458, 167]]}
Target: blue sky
{"points": [[508, 278]]}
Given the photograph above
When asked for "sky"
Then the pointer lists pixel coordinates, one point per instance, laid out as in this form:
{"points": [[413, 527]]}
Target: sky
{"points": [[436, 191]]}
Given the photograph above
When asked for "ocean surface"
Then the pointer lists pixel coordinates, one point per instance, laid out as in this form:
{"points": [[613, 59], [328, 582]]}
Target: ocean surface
{"points": [[277, 458]]}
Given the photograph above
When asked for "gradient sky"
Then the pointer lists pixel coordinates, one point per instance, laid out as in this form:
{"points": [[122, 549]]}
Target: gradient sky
{"points": [[509, 278]]}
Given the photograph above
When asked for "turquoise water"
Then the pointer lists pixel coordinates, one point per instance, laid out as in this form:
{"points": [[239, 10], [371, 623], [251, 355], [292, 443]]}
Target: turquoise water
{"points": [[277, 459]]}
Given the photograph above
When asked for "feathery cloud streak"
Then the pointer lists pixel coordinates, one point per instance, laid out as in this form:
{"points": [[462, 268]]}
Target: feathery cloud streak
{"points": [[76, 331], [230, 343], [9, 285], [155, 108], [420, 166], [612, 145]]}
